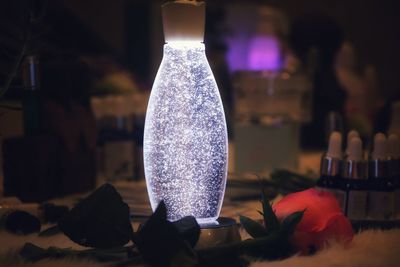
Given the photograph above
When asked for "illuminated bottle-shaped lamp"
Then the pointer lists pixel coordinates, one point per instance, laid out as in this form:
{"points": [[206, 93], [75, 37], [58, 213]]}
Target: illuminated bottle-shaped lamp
{"points": [[185, 134]]}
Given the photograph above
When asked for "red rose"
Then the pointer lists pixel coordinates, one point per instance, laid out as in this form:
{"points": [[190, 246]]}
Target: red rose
{"points": [[322, 222]]}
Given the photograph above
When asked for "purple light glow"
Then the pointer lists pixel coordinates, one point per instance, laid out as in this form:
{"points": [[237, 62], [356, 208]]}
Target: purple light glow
{"points": [[264, 53], [255, 54]]}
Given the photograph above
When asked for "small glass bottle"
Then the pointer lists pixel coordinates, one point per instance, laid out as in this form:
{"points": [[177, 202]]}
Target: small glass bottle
{"points": [[330, 179], [394, 170], [355, 172], [381, 194], [350, 135], [31, 96], [119, 146]]}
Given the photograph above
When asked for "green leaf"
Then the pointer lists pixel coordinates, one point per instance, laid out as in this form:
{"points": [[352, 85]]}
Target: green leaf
{"points": [[54, 230], [268, 247], [286, 174], [252, 227], [291, 181], [290, 222], [271, 222], [32, 252]]}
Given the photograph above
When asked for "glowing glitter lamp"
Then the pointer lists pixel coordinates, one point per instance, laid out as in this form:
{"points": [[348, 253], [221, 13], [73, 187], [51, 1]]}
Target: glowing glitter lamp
{"points": [[185, 134]]}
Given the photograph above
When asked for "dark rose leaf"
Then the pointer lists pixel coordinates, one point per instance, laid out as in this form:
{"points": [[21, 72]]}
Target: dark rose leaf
{"points": [[54, 230], [32, 252], [252, 227], [21, 222], [189, 229], [271, 222], [101, 220], [52, 213], [159, 240]]}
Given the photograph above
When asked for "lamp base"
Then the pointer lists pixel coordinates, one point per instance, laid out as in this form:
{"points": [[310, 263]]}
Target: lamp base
{"points": [[224, 231]]}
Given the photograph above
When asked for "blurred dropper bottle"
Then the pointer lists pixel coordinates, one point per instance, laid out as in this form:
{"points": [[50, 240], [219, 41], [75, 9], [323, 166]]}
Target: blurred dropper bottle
{"points": [[333, 123], [350, 135], [394, 170], [119, 147], [354, 172], [330, 179], [31, 96], [394, 127], [381, 194]]}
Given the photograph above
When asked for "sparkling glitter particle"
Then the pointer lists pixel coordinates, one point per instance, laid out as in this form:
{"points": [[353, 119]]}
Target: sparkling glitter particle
{"points": [[185, 137]]}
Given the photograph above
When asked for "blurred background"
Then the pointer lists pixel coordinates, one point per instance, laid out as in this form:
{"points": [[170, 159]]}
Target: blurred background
{"points": [[75, 77]]}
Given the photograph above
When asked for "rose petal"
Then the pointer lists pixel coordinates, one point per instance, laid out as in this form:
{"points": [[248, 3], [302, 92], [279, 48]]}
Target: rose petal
{"points": [[318, 206], [322, 222], [304, 242], [338, 229]]}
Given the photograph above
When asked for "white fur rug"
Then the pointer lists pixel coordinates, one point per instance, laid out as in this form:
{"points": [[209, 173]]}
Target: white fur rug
{"points": [[11, 244], [368, 249]]}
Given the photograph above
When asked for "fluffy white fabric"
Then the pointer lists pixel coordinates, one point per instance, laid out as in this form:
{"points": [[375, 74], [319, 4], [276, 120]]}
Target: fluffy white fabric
{"points": [[11, 245], [368, 249]]}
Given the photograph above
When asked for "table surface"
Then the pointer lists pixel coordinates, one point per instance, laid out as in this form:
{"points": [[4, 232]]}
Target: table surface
{"points": [[369, 248]]}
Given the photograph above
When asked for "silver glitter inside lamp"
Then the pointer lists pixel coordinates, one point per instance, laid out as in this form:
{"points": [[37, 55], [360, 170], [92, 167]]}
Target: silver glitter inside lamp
{"points": [[185, 135]]}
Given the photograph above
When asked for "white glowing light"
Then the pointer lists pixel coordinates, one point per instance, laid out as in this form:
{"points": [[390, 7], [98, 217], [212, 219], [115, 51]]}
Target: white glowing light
{"points": [[185, 136]]}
